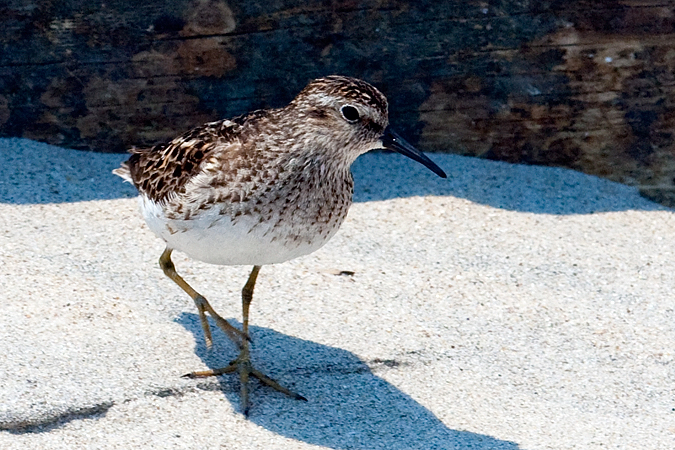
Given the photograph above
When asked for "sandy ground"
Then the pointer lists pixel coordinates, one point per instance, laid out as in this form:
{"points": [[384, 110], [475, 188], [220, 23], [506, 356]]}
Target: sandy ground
{"points": [[507, 307]]}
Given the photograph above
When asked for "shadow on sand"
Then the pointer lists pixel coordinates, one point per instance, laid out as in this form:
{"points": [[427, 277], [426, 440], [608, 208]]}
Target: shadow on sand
{"points": [[36, 173], [348, 406], [32, 172], [515, 187]]}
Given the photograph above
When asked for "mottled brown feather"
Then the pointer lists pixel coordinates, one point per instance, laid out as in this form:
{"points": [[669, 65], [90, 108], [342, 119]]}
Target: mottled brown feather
{"points": [[348, 88], [246, 160], [164, 170]]}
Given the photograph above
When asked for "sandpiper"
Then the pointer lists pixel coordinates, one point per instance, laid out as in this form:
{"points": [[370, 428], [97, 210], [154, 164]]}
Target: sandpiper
{"points": [[261, 188]]}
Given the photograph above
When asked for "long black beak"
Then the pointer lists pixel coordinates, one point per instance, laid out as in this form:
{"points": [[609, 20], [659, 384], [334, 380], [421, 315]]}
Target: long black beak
{"points": [[393, 141]]}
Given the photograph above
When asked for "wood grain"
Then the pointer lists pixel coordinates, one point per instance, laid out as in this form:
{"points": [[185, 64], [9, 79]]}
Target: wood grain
{"points": [[582, 84]]}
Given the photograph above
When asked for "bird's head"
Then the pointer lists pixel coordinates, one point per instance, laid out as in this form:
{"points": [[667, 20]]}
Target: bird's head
{"points": [[350, 116]]}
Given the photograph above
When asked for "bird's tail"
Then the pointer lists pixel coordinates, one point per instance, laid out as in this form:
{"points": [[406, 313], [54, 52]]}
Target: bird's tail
{"points": [[124, 172], [125, 168]]}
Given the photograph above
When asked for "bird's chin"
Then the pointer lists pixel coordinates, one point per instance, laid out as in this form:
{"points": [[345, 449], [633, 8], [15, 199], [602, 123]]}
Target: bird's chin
{"points": [[379, 145]]}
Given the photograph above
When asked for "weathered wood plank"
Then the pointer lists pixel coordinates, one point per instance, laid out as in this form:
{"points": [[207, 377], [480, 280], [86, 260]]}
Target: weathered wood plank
{"points": [[584, 84]]}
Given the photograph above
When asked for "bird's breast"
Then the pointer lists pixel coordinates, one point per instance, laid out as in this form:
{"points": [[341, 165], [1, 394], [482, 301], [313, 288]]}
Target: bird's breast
{"points": [[266, 226]]}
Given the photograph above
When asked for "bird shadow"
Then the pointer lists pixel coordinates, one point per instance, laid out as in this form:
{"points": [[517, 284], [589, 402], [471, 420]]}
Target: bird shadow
{"points": [[348, 407]]}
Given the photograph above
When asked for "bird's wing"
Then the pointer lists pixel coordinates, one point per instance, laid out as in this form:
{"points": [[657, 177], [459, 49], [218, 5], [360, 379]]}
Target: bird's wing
{"points": [[166, 169]]}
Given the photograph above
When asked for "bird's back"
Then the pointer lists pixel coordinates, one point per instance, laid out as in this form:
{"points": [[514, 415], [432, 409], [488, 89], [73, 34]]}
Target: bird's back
{"points": [[165, 170]]}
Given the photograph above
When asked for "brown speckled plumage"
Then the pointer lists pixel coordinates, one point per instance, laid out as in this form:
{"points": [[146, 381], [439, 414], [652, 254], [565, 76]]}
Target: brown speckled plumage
{"points": [[264, 163], [261, 188], [165, 169]]}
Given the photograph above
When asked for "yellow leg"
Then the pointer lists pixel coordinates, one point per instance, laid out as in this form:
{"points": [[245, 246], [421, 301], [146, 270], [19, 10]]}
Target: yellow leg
{"points": [[245, 367], [243, 362], [203, 305]]}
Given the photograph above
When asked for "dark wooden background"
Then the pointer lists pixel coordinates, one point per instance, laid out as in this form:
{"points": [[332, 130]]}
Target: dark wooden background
{"points": [[582, 84]]}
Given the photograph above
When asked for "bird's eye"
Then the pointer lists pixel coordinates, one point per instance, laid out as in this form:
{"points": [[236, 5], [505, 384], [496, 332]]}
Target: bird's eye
{"points": [[350, 113]]}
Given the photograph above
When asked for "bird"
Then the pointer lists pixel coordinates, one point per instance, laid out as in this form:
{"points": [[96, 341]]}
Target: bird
{"points": [[261, 188]]}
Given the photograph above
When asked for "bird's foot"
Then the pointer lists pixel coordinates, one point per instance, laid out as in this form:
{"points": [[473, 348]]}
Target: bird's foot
{"points": [[243, 365]]}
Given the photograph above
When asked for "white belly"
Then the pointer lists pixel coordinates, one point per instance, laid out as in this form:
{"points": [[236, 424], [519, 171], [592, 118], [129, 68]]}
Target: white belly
{"points": [[217, 239]]}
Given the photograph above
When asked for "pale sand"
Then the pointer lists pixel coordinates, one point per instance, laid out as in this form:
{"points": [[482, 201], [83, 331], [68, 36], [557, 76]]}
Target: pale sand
{"points": [[508, 307]]}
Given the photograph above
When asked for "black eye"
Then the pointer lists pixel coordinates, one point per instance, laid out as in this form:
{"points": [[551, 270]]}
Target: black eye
{"points": [[350, 113]]}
